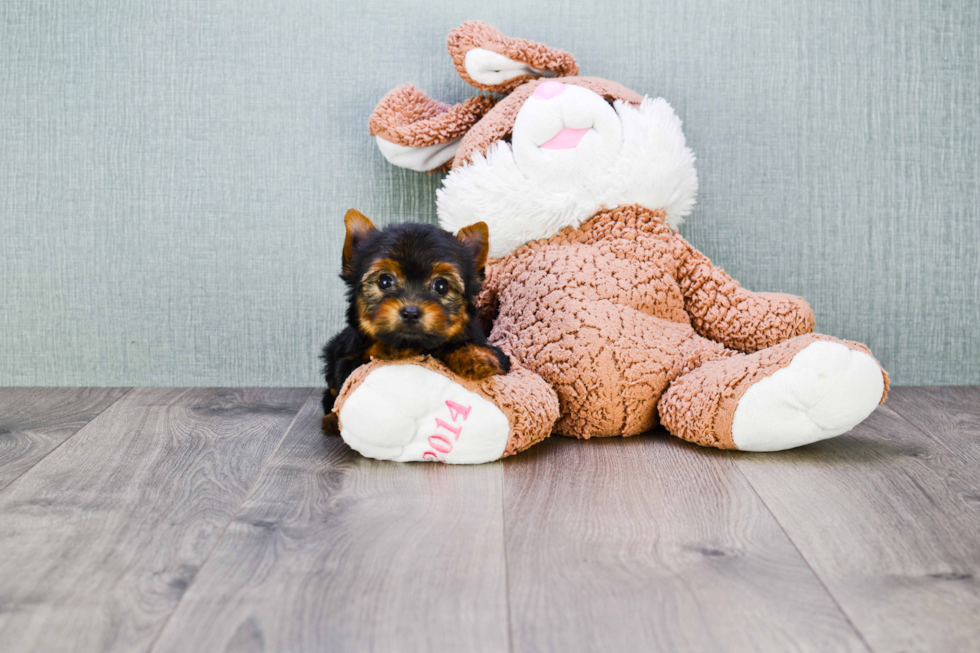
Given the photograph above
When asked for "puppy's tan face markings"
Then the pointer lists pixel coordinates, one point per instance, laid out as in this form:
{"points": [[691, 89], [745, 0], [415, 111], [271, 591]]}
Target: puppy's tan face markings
{"points": [[377, 309], [453, 300], [382, 278], [450, 273], [385, 292]]}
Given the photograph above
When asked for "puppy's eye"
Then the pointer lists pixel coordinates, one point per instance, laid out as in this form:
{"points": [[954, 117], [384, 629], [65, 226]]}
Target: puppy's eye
{"points": [[440, 286], [386, 282]]}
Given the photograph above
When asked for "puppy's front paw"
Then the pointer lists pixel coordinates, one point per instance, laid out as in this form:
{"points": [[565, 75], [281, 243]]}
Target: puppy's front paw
{"points": [[477, 362], [330, 425]]}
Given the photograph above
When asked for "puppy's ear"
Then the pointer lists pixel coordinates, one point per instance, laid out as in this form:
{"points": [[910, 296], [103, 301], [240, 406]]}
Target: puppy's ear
{"points": [[476, 237], [358, 226], [490, 61], [416, 132]]}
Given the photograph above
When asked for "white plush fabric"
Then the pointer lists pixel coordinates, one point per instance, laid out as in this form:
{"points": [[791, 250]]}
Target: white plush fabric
{"points": [[539, 120], [826, 390], [633, 155], [393, 415], [491, 68], [420, 159]]}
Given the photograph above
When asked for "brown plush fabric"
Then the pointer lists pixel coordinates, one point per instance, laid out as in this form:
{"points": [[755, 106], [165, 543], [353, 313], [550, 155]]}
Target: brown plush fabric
{"points": [[498, 124], [699, 406], [723, 311], [612, 313], [407, 116], [475, 34], [528, 402]]}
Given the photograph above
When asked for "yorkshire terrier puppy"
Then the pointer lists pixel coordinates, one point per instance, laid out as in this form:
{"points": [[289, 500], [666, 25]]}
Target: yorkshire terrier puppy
{"points": [[410, 290]]}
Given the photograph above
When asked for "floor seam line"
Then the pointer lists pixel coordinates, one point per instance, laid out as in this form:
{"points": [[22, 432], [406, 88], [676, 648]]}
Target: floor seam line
{"points": [[925, 433], [796, 548], [503, 528], [224, 530], [77, 431]]}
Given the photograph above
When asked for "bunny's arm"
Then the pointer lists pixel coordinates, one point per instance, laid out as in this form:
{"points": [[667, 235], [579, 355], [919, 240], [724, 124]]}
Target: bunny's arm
{"points": [[720, 309]]}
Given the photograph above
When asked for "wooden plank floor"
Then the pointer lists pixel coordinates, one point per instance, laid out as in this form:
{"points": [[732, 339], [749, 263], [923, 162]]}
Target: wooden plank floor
{"points": [[222, 520]]}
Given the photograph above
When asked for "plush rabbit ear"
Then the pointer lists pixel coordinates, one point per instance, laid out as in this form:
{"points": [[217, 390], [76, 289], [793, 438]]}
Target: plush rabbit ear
{"points": [[414, 131], [490, 61]]}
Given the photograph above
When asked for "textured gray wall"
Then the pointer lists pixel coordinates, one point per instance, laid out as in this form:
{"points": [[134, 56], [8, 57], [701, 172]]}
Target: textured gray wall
{"points": [[173, 174]]}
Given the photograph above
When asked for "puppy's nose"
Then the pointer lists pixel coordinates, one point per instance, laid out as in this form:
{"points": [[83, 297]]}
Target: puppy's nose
{"points": [[549, 89], [411, 314]]}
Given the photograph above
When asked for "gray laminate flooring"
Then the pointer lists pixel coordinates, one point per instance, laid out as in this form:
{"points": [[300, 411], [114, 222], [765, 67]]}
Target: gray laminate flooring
{"points": [[223, 520]]}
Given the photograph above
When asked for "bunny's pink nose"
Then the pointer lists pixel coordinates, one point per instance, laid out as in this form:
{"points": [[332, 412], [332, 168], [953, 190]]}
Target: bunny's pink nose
{"points": [[549, 89]]}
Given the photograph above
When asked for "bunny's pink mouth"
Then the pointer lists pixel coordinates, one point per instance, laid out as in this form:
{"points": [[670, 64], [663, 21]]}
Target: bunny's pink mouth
{"points": [[566, 139]]}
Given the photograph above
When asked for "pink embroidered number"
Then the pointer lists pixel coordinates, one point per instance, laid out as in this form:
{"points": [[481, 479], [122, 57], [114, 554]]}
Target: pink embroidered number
{"points": [[452, 429], [455, 410], [439, 442]]}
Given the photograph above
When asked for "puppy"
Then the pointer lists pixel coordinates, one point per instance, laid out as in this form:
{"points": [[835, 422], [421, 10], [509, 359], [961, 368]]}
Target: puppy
{"points": [[410, 290]]}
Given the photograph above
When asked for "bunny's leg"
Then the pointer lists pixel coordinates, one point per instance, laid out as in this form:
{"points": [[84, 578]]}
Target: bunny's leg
{"points": [[805, 389], [609, 363], [418, 410]]}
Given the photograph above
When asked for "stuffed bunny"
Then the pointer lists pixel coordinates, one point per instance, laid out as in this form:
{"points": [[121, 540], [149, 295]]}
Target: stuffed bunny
{"points": [[614, 323]]}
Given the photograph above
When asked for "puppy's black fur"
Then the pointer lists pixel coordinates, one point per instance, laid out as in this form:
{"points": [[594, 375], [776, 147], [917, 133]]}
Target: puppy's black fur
{"points": [[411, 290]]}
